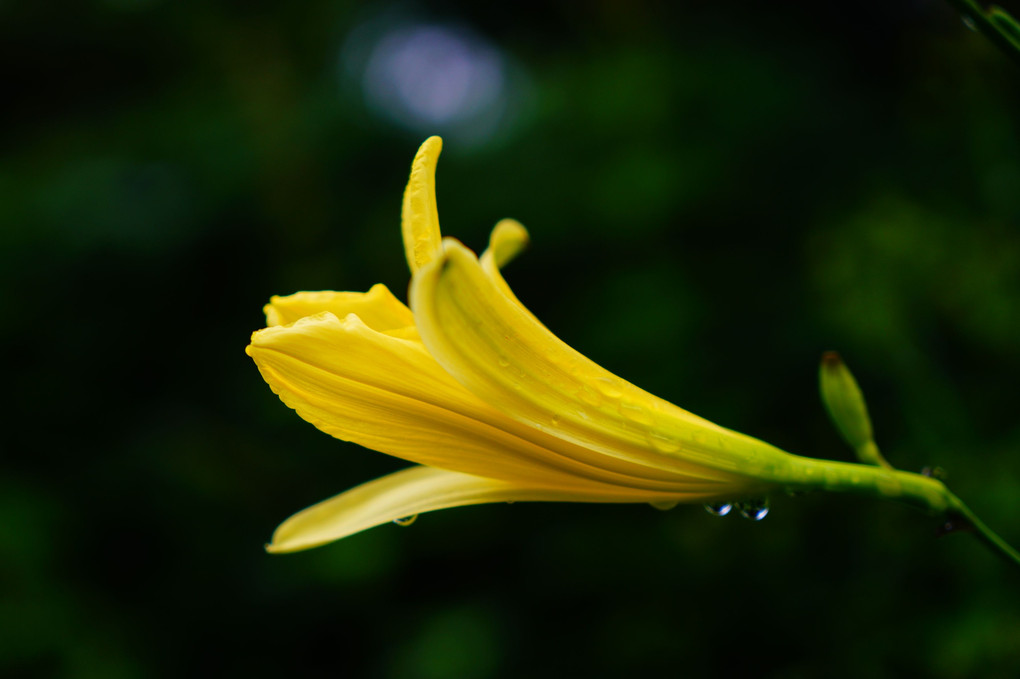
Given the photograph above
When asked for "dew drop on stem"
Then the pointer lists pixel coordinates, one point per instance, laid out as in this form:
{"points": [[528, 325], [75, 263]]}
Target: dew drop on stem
{"points": [[719, 508], [754, 510]]}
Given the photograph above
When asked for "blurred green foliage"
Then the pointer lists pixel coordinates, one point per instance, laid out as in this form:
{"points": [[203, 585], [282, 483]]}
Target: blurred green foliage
{"points": [[717, 192]]}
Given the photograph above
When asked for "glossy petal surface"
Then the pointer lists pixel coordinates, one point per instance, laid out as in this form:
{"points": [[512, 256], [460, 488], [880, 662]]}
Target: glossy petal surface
{"points": [[409, 492], [420, 215], [377, 308], [387, 393], [474, 388], [502, 355]]}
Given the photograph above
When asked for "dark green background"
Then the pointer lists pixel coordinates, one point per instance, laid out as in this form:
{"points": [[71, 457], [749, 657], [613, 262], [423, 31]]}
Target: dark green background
{"points": [[717, 192]]}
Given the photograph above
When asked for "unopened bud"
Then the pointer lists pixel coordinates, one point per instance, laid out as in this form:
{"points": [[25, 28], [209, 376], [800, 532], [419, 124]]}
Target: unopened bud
{"points": [[845, 403]]}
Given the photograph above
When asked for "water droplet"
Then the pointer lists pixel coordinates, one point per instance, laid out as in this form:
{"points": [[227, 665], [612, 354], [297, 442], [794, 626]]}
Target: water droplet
{"points": [[510, 502], [556, 420], [755, 510], [589, 396], [663, 443], [664, 505], [503, 362], [406, 521], [719, 508], [969, 23], [634, 412], [952, 524], [934, 473], [609, 388]]}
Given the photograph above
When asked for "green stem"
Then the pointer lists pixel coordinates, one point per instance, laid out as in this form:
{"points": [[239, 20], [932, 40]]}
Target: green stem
{"points": [[917, 490], [971, 10], [986, 534]]}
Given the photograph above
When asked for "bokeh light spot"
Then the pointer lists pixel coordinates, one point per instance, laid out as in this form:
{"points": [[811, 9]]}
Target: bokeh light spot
{"points": [[431, 78]]}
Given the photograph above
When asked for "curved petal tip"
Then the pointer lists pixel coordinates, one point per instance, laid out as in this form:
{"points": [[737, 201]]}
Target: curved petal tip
{"points": [[419, 215]]}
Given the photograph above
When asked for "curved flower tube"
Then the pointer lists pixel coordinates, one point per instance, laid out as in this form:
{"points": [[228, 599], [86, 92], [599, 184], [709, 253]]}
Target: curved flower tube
{"points": [[492, 407]]}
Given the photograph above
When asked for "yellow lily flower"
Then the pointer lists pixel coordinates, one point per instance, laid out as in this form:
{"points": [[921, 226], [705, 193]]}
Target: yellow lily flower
{"points": [[490, 405]]}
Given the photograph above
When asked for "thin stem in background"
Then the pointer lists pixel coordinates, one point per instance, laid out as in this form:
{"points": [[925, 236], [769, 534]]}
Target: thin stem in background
{"points": [[977, 18]]}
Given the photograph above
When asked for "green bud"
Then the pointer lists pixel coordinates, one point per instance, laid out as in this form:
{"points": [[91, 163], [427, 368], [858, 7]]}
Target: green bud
{"points": [[845, 403]]}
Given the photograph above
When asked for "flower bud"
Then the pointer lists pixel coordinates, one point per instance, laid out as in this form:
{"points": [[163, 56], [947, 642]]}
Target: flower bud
{"points": [[845, 403]]}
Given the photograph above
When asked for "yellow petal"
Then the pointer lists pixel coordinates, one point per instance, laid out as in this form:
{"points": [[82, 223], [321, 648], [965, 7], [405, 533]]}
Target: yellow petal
{"points": [[382, 392], [378, 308], [420, 216], [388, 394], [507, 240], [504, 356], [403, 494]]}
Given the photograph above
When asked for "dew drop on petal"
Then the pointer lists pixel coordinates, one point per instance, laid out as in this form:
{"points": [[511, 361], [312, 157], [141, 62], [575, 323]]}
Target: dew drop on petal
{"points": [[589, 396], [754, 510], [555, 420], [406, 521], [609, 388], [719, 508], [663, 443], [969, 23], [664, 505], [634, 412]]}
